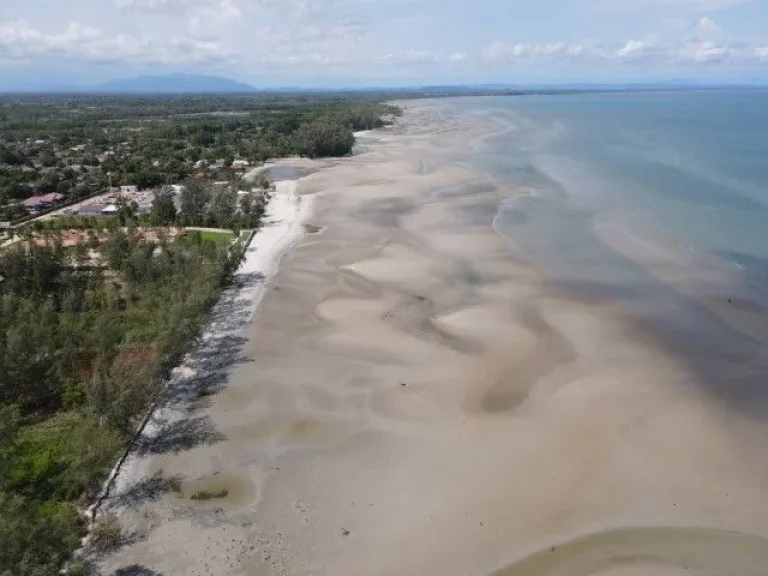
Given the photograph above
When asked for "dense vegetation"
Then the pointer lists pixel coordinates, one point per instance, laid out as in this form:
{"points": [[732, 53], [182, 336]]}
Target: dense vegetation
{"points": [[73, 145], [84, 348], [203, 204]]}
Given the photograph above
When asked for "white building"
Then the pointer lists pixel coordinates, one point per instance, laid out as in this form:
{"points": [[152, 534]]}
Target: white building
{"points": [[128, 190]]}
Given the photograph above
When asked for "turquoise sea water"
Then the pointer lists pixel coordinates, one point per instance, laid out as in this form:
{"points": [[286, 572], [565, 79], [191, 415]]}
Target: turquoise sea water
{"points": [[657, 202]]}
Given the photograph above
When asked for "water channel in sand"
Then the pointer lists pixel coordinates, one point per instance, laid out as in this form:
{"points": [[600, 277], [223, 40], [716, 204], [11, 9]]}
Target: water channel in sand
{"points": [[649, 552]]}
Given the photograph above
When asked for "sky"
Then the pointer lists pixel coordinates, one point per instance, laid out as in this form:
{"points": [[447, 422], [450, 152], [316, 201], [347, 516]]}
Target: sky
{"points": [[355, 43]]}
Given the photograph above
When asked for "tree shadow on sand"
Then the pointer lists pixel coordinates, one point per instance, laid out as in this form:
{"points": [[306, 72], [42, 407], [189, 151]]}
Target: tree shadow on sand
{"points": [[179, 436], [211, 363], [205, 372], [218, 350], [147, 490]]}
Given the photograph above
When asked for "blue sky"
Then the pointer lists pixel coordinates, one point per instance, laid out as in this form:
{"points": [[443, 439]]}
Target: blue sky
{"points": [[385, 42]]}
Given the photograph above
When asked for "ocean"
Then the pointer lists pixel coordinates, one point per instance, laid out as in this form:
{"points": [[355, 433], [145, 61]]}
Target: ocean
{"points": [[654, 202]]}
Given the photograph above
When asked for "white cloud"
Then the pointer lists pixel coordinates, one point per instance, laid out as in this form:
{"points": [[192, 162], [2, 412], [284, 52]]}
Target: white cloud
{"points": [[504, 51], [19, 40], [497, 50], [203, 17], [299, 8], [708, 52], [703, 4], [366, 38], [409, 57], [708, 28], [227, 10], [173, 6], [630, 49], [686, 52], [695, 6], [307, 44], [213, 20]]}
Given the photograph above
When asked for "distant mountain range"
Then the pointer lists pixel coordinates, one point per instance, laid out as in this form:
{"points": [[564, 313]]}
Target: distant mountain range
{"points": [[180, 83], [198, 83], [172, 84]]}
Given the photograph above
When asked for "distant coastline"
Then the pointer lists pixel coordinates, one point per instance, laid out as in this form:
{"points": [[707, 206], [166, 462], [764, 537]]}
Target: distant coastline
{"points": [[191, 84]]}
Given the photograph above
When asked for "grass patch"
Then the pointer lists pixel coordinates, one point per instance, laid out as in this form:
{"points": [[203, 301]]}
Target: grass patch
{"points": [[62, 457], [198, 238], [211, 236], [206, 495]]}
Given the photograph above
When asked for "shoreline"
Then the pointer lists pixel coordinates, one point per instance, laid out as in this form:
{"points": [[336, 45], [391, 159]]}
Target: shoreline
{"points": [[407, 384], [281, 229]]}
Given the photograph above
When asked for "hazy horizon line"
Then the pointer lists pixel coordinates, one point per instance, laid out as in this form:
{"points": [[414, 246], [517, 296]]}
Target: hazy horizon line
{"points": [[103, 89]]}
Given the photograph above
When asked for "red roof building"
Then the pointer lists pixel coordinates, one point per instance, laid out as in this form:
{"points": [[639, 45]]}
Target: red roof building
{"points": [[45, 199]]}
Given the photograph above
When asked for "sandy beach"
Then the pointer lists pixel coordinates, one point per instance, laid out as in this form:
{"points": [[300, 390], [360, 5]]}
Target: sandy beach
{"points": [[410, 397]]}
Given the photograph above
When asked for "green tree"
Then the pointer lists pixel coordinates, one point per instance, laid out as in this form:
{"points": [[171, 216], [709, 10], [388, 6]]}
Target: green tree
{"points": [[163, 211], [195, 198], [47, 159], [321, 138], [10, 419], [221, 213], [251, 210], [120, 393], [261, 180], [117, 248]]}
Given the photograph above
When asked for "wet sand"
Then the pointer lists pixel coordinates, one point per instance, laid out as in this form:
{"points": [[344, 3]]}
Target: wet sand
{"points": [[412, 399], [650, 552]]}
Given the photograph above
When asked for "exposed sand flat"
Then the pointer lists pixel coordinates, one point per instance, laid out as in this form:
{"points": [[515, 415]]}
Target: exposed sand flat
{"points": [[411, 399], [398, 266]]}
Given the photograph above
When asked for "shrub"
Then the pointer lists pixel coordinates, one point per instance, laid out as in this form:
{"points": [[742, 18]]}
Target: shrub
{"points": [[106, 533], [206, 495]]}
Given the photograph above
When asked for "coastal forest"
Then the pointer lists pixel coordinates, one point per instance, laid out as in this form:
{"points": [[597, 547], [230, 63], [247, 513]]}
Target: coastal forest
{"points": [[86, 343], [96, 312], [79, 145]]}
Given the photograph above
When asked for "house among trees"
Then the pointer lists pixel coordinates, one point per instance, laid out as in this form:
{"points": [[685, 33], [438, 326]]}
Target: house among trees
{"points": [[44, 202], [97, 209]]}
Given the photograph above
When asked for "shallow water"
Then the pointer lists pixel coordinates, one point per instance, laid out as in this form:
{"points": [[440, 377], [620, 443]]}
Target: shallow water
{"points": [[283, 173], [655, 202], [684, 172]]}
